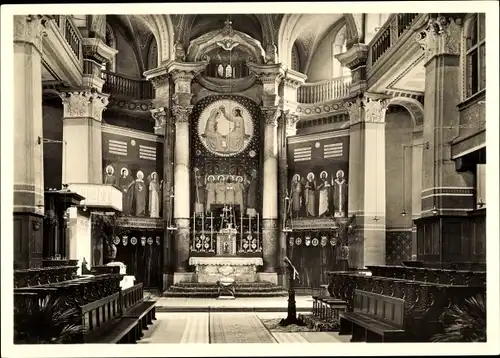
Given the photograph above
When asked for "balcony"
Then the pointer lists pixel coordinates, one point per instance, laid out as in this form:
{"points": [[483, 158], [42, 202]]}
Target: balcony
{"points": [[393, 29], [324, 91], [395, 60], [99, 196], [127, 87], [63, 51]]}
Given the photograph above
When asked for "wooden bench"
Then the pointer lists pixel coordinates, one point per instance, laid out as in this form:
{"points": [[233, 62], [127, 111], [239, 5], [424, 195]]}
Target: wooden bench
{"points": [[327, 307], [134, 306], [104, 323], [375, 318]]}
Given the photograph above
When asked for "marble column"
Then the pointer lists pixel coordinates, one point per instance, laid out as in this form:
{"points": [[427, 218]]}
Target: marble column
{"points": [[416, 183], [270, 189], [82, 136], [28, 150], [367, 177]]}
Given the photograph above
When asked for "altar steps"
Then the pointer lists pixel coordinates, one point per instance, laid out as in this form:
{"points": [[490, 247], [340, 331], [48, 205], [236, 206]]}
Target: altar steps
{"points": [[243, 289]]}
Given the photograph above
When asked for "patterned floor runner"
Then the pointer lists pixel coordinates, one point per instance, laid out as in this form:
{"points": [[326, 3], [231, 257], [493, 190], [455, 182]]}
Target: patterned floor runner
{"points": [[230, 327]]}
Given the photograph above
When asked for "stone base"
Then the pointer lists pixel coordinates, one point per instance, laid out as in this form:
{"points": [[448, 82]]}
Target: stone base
{"points": [[167, 280], [213, 269], [268, 277], [180, 277]]}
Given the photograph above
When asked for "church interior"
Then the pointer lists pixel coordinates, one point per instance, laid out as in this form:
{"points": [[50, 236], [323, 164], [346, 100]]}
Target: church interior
{"points": [[337, 157]]}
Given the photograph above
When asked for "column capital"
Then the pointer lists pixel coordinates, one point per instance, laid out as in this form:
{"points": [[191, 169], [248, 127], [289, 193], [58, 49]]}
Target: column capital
{"points": [[182, 113], [354, 57], [30, 29], [160, 117], [294, 79], [96, 49], [271, 115], [269, 73], [368, 108], [290, 121], [84, 103], [442, 36]]}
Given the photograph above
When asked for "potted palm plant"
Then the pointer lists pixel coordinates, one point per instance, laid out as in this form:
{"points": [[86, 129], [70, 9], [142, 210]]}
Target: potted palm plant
{"points": [[45, 321], [464, 323]]}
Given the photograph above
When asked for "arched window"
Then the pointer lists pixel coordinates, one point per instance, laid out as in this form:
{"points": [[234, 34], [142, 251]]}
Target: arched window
{"points": [[475, 56], [295, 58]]}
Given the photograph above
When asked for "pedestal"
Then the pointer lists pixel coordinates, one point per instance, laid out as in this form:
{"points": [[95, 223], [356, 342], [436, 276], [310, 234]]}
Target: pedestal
{"points": [[213, 269]]}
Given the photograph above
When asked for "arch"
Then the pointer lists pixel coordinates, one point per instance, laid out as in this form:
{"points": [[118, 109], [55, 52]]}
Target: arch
{"points": [[291, 26], [414, 107], [163, 31]]}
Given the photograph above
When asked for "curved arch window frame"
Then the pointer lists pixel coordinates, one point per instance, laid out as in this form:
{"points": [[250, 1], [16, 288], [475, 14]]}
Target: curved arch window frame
{"points": [[474, 66]]}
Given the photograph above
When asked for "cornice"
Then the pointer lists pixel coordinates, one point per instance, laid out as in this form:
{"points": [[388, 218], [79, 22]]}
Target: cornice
{"points": [[132, 133], [221, 85]]}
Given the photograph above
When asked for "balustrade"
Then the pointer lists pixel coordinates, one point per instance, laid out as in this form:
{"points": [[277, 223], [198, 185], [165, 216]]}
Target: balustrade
{"points": [[123, 86], [323, 91], [71, 35], [387, 36]]}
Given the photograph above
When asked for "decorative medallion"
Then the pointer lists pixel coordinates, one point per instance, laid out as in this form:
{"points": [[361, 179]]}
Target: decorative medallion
{"points": [[307, 240], [298, 241], [252, 153], [315, 242], [116, 240], [333, 241], [132, 143], [143, 240], [158, 241], [225, 128], [150, 240], [133, 240], [290, 241], [125, 240], [324, 241]]}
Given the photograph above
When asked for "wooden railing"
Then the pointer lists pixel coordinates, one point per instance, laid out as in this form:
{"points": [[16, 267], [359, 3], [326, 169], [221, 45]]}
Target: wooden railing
{"points": [[323, 91], [395, 27], [123, 86], [71, 34]]}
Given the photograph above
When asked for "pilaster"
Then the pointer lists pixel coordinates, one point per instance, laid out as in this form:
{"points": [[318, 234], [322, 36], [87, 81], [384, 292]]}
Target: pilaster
{"points": [[28, 152], [82, 135], [446, 195], [270, 76], [368, 184]]}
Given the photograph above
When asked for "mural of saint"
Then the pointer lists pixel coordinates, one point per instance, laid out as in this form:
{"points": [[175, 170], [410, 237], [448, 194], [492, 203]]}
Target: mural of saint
{"points": [[325, 195], [239, 189], [251, 193], [296, 195], [200, 191], [310, 195], [340, 194], [211, 134], [110, 178], [220, 190], [230, 190], [210, 191], [125, 183], [225, 127], [140, 194], [154, 196]]}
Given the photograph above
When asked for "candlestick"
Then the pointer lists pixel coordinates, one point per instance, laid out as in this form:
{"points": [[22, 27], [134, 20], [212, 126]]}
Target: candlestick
{"points": [[241, 232], [203, 223], [194, 229], [250, 224], [211, 232], [257, 223]]}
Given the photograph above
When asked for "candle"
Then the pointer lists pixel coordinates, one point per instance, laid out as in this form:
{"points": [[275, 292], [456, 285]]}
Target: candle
{"points": [[203, 223], [257, 223], [211, 232], [241, 232], [249, 224], [194, 229]]}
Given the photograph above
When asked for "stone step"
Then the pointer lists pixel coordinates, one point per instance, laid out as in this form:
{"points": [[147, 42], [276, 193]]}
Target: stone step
{"points": [[237, 284], [198, 294], [176, 288]]}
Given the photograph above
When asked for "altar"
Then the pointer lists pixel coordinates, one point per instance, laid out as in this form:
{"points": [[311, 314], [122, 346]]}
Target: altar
{"points": [[213, 269]]}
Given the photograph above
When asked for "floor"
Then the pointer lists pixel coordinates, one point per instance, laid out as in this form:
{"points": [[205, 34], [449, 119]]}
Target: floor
{"points": [[227, 327], [266, 304]]}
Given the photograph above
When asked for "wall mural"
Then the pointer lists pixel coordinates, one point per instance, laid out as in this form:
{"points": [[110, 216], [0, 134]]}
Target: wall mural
{"points": [[225, 155], [318, 171], [134, 165]]}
